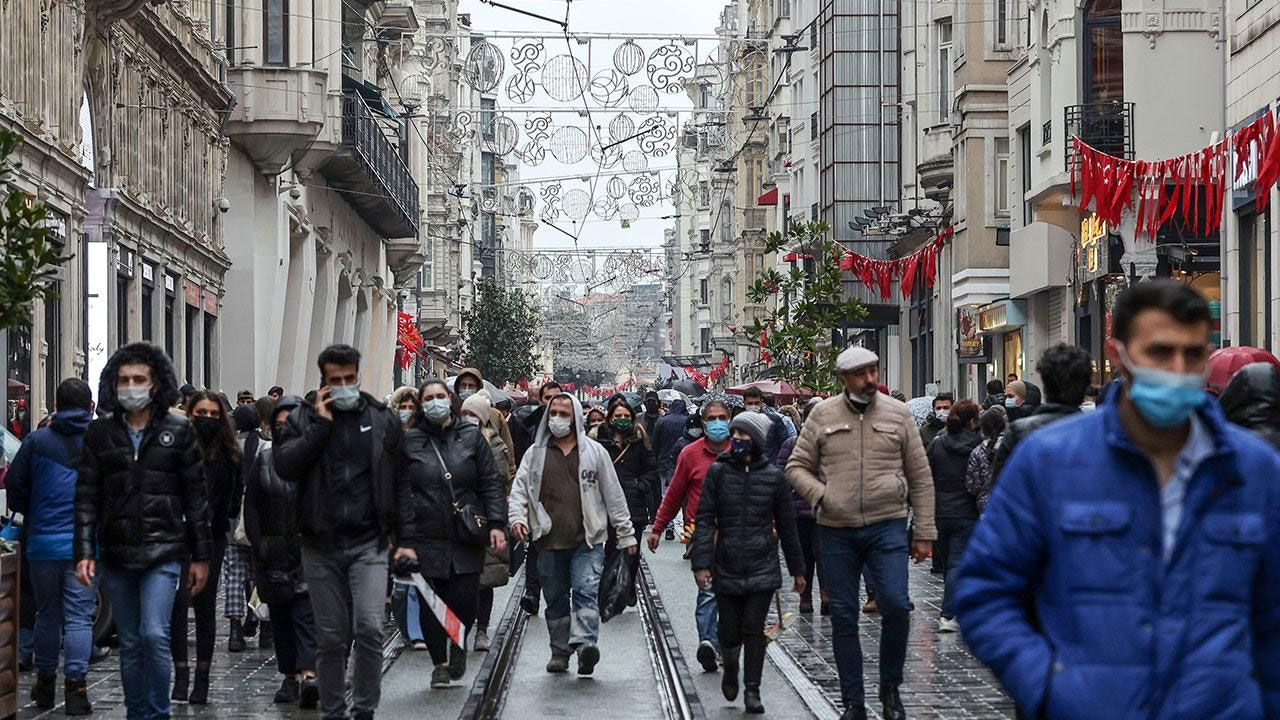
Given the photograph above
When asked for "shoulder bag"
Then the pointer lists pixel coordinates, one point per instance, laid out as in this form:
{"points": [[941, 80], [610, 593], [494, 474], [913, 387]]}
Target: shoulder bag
{"points": [[469, 526]]}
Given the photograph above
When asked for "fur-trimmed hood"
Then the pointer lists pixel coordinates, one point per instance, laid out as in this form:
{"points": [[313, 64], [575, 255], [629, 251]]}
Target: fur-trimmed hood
{"points": [[163, 378]]}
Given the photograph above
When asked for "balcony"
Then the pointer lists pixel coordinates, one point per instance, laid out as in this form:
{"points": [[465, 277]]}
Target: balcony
{"points": [[1107, 127], [377, 183], [278, 111]]}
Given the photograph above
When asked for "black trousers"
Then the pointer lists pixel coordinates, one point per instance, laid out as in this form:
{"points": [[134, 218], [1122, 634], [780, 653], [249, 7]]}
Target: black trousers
{"points": [[461, 593], [809, 544], [532, 583], [484, 608], [206, 607], [742, 624], [293, 628]]}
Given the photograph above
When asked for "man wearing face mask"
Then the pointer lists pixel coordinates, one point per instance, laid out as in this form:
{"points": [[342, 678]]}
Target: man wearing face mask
{"points": [[652, 412], [563, 500], [860, 464], [942, 403], [683, 494], [354, 500], [754, 401], [1127, 564]]}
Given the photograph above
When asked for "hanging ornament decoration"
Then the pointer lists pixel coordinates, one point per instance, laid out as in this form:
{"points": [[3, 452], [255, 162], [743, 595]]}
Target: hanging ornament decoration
{"points": [[569, 144], [635, 162], [607, 209], [659, 136], [628, 212], [621, 127], [628, 58], [503, 138], [489, 200], [576, 204], [436, 52], [607, 158], [879, 275], [409, 340], [525, 201], [644, 99], [484, 67], [532, 154], [550, 202], [644, 191], [462, 129], [668, 65], [564, 77], [616, 188], [609, 88]]}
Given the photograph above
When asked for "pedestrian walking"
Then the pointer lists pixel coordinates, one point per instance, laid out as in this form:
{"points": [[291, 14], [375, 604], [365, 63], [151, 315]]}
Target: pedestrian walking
{"points": [[142, 511], [937, 420], [628, 447], [210, 416], [955, 508], [666, 436], [978, 476], [1251, 400], [753, 400], [41, 484], [1127, 564], [1015, 396], [861, 463], [652, 412], [237, 559], [354, 501], [995, 394], [532, 597], [744, 513], [477, 410], [271, 524], [404, 599], [1066, 371], [683, 496], [564, 498], [806, 529], [458, 512]]}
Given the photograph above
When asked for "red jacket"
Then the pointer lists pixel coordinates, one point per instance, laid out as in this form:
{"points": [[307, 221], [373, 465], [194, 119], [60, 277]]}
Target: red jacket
{"points": [[686, 484]]}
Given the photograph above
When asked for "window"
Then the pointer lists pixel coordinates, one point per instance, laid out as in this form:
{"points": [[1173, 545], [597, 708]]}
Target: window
{"points": [[210, 323], [704, 239], [170, 298], [1001, 199], [1024, 169], [275, 32], [704, 340], [704, 291], [190, 323], [726, 299], [229, 31], [487, 117], [704, 194], [53, 338], [813, 126], [427, 275], [726, 226], [148, 295], [944, 71], [1002, 24], [1103, 53]]}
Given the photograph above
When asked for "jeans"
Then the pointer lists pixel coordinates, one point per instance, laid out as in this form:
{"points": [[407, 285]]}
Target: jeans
{"points": [[63, 606], [880, 548], [294, 631], [142, 601], [953, 538], [206, 607], [460, 593], [707, 615], [348, 589], [742, 626], [571, 579]]}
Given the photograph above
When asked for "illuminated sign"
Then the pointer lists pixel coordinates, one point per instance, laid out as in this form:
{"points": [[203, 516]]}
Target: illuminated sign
{"points": [[1093, 243]]}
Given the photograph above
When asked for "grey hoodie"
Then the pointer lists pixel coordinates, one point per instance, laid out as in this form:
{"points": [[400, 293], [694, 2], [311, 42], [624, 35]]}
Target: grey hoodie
{"points": [[603, 502]]}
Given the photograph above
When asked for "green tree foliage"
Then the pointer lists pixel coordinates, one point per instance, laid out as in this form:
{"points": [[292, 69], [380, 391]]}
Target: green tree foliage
{"points": [[29, 258], [803, 307], [499, 333]]}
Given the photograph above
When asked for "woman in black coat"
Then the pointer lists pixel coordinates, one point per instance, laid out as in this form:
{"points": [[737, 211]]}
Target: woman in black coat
{"points": [[745, 510], [210, 415], [637, 470], [271, 523], [460, 510]]}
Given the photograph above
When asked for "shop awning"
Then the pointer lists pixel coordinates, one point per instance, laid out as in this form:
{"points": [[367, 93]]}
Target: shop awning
{"points": [[769, 198]]}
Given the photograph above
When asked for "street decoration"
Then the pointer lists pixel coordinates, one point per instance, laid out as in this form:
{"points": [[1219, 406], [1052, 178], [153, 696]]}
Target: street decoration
{"points": [[410, 344], [879, 275]]}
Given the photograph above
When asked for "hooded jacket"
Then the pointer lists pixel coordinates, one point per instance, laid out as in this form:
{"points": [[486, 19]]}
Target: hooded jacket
{"points": [[1024, 426], [603, 501], [949, 462], [1252, 400], [41, 484], [666, 436], [1065, 593], [137, 509], [271, 524], [496, 418], [637, 472]]}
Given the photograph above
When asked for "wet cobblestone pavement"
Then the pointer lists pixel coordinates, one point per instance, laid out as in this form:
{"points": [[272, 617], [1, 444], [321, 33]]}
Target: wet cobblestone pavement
{"points": [[943, 681]]}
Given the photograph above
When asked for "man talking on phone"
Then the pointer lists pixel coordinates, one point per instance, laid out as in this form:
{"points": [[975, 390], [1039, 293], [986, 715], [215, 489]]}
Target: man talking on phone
{"points": [[353, 504]]}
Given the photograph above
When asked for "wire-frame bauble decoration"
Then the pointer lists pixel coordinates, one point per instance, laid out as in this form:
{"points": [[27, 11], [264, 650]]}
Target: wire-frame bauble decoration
{"points": [[628, 58], [564, 77], [616, 188], [621, 127], [606, 157], [607, 209], [659, 136], [503, 137], [569, 144], [609, 88], [644, 99], [484, 68], [525, 201], [635, 161], [576, 204], [628, 212], [644, 190], [668, 65]]}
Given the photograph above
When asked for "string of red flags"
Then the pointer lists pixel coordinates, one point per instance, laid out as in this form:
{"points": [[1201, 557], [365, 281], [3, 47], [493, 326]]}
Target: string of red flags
{"points": [[879, 274]]}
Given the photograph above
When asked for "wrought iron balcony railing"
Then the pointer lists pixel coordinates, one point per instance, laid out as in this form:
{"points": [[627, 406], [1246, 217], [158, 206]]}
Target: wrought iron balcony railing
{"points": [[380, 161], [1107, 127]]}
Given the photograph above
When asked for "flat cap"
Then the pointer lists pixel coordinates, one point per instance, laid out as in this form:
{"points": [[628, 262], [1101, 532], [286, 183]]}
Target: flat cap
{"points": [[854, 358]]}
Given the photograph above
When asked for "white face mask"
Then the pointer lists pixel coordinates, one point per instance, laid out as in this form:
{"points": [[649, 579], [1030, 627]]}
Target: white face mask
{"points": [[470, 419], [134, 398], [405, 416], [559, 427], [861, 399], [345, 397], [941, 414]]}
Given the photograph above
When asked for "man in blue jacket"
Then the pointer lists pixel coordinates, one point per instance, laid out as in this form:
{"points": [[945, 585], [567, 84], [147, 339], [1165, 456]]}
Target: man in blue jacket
{"points": [[42, 486], [1128, 564]]}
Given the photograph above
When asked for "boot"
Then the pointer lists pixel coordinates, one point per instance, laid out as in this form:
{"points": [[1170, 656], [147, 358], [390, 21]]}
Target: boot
{"points": [[457, 662], [751, 699], [200, 688], [806, 603], [558, 664], [77, 697], [42, 693], [588, 656], [529, 602], [288, 692], [892, 702], [266, 640], [250, 625], [729, 678], [181, 682], [235, 643], [854, 712], [309, 694]]}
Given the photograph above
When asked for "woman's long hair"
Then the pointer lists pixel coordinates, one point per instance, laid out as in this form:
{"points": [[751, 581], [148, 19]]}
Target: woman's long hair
{"points": [[637, 428], [225, 440], [992, 423], [962, 414]]}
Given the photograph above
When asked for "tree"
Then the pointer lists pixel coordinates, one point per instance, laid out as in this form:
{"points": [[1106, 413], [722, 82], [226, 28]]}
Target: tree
{"points": [[804, 307], [29, 258], [499, 333]]}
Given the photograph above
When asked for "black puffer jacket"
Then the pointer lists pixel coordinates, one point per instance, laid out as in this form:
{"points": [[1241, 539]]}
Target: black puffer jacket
{"points": [[136, 510], [949, 462], [1252, 400], [300, 457], [1019, 429], [741, 516], [475, 481], [637, 473], [271, 523]]}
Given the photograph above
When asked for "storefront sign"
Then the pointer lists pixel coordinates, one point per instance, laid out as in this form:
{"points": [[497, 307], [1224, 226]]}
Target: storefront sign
{"points": [[1093, 253], [971, 345], [1001, 316]]}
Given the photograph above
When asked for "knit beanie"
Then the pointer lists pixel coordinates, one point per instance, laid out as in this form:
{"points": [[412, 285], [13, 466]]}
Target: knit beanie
{"points": [[754, 424], [478, 404]]}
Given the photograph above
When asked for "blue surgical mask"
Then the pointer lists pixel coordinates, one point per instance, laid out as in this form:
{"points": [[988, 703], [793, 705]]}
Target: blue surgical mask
{"points": [[740, 448], [717, 430], [405, 416], [1011, 402], [345, 397], [695, 432], [1166, 399], [437, 409]]}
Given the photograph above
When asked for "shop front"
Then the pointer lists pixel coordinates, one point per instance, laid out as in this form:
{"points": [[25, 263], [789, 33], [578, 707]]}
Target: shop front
{"points": [[1001, 325], [973, 355]]}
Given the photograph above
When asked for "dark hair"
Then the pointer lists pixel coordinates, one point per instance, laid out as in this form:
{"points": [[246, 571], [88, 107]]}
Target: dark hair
{"points": [[1169, 296], [226, 437], [1011, 375], [73, 393], [1065, 371], [597, 411], [620, 401], [753, 393], [340, 355], [962, 413], [944, 396], [455, 405], [549, 384], [1092, 391], [266, 407], [769, 399], [992, 423], [276, 389], [995, 387], [706, 407]]}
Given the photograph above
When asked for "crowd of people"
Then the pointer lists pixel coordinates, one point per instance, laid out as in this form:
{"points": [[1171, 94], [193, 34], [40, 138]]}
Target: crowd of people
{"points": [[1119, 563]]}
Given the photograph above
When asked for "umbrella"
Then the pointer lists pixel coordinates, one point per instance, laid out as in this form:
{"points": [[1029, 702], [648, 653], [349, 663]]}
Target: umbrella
{"points": [[1225, 363], [781, 389], [634, 399], [688, 387], [497, 395], [16, 386], [920, 408], [487, 386], [733, 401], [670, 396]]}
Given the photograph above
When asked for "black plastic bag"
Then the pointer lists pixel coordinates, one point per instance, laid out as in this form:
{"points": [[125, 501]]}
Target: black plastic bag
{"points": [[617, 584]]}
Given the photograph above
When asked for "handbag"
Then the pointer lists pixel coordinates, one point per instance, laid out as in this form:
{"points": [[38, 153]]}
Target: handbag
{"points": [[10, 528], [469, 526]]}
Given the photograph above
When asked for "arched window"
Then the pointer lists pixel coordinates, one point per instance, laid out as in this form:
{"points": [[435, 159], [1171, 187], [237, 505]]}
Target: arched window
{"points": [[726, 299], [1103, 54], [726, 225]]}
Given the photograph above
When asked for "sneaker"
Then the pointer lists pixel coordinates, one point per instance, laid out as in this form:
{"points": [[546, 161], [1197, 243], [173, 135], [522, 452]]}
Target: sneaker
{"points": [[457, 662], [44, 690], [77, 698], [670, 534], [440, 677], [98, 654], [870, 608], [309, 694], [707, 656], [482, 641], [806, 605], [558, 664], [948, 625], [288, 692], [588, 656], [419, 645]]}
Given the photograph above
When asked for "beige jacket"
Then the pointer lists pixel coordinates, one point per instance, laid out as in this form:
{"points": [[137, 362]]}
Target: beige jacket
{"points": [[856, 469]]}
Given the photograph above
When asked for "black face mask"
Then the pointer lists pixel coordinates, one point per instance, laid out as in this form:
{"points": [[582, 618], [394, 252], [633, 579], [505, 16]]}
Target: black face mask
{"points": [[651, 407], [207, 427]]}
